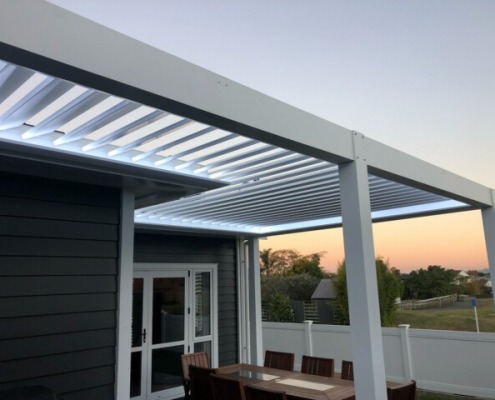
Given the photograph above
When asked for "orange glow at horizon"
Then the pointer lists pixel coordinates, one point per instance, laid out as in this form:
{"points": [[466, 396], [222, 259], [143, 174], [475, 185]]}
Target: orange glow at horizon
{"points": [[452, 241]]}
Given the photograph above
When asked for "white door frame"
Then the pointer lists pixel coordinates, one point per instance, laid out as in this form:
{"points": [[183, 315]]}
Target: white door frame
{"points": [[192, 268]]}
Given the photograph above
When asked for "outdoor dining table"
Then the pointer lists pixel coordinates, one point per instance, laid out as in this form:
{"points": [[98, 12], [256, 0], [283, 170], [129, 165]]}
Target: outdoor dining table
{"points": [[293, 383]]}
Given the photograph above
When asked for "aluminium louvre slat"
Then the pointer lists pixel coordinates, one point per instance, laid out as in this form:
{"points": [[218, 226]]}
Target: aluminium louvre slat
{"points": [[264, 218], [238, 200], [330, 174], [76, 107], [293, 196], [198, 147], [123, 131], [99, 121], [278, 200], [394, 190], [243, 173], [218, 153], [404, 202], [270, 166], [38, 100], [24, 95], [179, 203], [226, 162], [218, 195], [177, 142], [268, 209], [149, 137], [11, 79]]}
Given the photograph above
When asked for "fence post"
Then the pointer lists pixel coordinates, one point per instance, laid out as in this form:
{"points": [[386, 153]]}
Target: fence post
{"points": [[308, 336], [406, 351]]}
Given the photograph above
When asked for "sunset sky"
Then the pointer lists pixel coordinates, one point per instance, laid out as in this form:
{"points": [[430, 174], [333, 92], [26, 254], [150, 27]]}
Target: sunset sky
{"points": [[415, 75]]}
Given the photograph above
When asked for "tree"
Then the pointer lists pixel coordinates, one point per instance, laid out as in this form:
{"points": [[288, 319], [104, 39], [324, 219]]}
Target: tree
{"points": [[435, 281], [389, 288], [279, 309], [290, 262]]}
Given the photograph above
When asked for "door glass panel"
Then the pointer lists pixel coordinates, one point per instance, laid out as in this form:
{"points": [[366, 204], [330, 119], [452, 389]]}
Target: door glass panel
{"points": [[168, 310], [203, 304], [137, 312], [166, 368], [203, 346], [136, 373]]}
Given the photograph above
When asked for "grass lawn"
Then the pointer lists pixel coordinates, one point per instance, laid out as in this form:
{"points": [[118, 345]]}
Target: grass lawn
{"points": [[422, 395], [457, 317]]}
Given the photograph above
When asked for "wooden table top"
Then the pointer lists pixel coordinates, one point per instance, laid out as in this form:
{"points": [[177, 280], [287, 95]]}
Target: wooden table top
{"points": [[293, 383]]}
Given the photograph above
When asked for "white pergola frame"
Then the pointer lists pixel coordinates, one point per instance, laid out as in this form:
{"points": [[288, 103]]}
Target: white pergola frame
{"points": [[41, 33]]}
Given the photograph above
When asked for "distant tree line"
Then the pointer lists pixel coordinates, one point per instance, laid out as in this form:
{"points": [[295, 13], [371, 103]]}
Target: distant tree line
{"points": [[287, 275]]}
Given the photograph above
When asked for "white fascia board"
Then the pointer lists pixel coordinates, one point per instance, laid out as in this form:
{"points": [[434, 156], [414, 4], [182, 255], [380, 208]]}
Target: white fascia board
{"points": [[50, 31], [390, 163]]}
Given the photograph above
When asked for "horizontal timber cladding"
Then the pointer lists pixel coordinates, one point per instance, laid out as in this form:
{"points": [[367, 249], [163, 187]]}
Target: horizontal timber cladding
{"points": [[176, 248], [58, 286]]}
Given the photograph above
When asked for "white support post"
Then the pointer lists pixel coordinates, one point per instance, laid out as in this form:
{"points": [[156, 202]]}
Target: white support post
{"points": [[308, 336], [243, 302], [406, 351], [255, 329], [124, 311], [362, 288], [488, 215]]}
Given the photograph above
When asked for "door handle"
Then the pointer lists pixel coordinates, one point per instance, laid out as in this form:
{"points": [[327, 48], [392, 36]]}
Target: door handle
{"points": [[144, 335]]}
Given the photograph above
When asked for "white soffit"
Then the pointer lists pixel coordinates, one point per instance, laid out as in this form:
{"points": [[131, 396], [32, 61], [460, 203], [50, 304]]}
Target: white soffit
{"points": [[269, 189]]}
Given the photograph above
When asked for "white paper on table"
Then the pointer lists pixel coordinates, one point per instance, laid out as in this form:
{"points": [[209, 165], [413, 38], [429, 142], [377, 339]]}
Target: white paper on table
{"points": [[306, 384]]}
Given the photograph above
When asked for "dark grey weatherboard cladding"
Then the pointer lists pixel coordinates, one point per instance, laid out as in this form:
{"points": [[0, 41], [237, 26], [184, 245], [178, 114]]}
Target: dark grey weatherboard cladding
{"points": [[174, 248], [58, 277]]}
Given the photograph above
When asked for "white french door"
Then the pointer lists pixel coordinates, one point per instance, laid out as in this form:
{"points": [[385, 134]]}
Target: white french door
{"points": [[174, 312]]}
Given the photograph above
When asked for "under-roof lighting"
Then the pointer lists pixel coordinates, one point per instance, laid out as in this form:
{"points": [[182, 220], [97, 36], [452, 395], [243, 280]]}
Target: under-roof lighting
{"points": [[21, 92], [55, 106], [93, 112]]}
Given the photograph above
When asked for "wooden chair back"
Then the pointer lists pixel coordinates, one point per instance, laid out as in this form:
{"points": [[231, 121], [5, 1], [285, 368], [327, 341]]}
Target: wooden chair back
{"points": [[256, 393], [199, 359], [226, 388], [279, 360], [317, 366], [402, 392], [200, 380], [347, 371]]}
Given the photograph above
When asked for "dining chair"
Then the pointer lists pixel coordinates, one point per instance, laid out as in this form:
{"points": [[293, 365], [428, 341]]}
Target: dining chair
{"points": [[279, 360], [200, 380], [402, 392], [226, 388], [257, 393], [199, 359], [317, 366], [347, 371]]}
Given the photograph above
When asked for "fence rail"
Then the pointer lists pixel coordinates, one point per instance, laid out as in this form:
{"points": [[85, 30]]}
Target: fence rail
{"points": [[436, 302]]}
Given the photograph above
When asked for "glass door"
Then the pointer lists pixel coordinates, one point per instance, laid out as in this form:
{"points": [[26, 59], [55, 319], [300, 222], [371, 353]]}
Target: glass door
{"points": [[173, 313], [159, 334]]}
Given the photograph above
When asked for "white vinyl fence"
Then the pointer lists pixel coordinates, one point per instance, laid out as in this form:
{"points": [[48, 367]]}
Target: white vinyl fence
{"points": [[442, 361]]}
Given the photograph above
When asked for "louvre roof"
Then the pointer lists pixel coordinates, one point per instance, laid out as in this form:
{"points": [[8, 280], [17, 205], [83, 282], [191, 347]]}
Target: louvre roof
{"points": [[261, 188]]}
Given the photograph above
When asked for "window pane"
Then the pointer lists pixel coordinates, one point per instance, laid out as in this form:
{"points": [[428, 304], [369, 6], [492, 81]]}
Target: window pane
{"points": [[203, 346], [137, 312], [203, 303], [168, 310], [166, 368], [136, 374]]}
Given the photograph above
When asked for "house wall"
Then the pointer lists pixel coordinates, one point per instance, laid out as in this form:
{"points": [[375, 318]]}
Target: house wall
{"points": [[58, 274], [176, 248]]}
